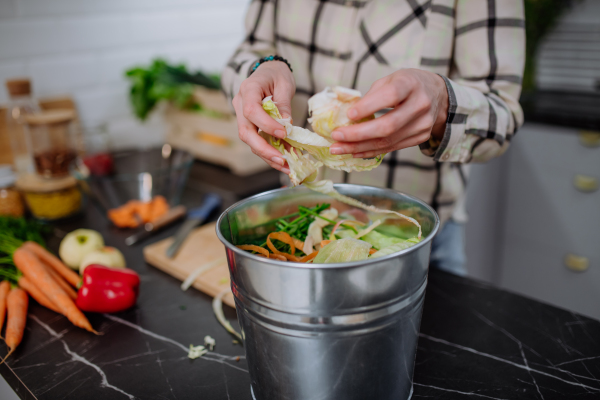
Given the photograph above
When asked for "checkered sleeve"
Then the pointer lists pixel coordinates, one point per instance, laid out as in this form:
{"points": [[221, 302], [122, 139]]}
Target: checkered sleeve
{"points": [[485, 82], [259, 42]]}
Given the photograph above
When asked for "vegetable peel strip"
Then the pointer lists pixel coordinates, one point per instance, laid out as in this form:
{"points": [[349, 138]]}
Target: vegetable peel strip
{"points": [[369, 229], [326, 187], [217, 306], [309, 257], [285, 238], [200, 270], [252, 247]]}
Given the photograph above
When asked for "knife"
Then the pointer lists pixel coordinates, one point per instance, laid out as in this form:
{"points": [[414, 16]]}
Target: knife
{"points": [[195, 217], [170, 216]]}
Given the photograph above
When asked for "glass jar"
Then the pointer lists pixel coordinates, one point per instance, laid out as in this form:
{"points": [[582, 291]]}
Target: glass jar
{"points": [[11, 203], [53, 138], [20, 104], [50, 199]]}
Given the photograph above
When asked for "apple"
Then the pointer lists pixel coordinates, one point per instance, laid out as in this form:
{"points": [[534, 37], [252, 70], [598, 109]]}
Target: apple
{"points": [[107, 256], [77, 244]]}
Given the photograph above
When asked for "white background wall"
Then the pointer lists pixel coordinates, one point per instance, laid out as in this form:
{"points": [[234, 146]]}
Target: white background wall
{"points": [[83, 47]]}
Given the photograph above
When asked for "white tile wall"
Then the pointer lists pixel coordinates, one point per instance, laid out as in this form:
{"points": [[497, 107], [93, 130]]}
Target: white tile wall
{"points": [[82, 48]]}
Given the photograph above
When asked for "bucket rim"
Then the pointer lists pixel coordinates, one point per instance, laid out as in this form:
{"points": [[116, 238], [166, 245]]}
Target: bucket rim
{"points": [[352, 264]]}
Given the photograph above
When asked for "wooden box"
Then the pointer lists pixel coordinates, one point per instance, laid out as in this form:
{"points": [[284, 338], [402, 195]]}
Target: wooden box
{"points": [[212, 139]]}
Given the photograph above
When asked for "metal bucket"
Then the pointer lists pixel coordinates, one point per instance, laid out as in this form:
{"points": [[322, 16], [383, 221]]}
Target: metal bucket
{"points": [[327, 331]]}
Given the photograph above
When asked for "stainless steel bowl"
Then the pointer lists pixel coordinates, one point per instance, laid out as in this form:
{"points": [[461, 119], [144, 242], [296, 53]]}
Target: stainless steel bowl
{"points": [[327, 331]]}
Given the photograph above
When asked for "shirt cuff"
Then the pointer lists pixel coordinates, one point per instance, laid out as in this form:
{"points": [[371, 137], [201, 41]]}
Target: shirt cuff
{"points": [[450, 148]]}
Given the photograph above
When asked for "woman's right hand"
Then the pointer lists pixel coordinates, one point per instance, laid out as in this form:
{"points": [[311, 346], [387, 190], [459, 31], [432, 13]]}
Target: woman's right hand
{"points": [[272, 78]]}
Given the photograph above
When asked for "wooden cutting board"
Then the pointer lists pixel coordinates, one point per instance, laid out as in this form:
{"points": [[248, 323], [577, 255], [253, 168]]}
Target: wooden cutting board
{"points": [[200, 248]]}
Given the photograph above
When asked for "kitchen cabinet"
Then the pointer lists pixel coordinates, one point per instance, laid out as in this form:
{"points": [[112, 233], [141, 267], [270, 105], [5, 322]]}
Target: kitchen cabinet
{"points": [[550, 230]]}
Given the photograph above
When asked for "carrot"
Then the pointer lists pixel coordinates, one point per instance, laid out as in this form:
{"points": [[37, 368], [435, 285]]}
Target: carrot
{"points": [[16, 303], [37, 294], [70, 276], [33, 269], [62, 283], [4, 289]]}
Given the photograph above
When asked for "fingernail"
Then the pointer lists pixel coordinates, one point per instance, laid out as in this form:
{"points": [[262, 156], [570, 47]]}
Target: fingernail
{"points": [[336, 150], [352, 113], [280, 134], [278, 160], [339, 136]]}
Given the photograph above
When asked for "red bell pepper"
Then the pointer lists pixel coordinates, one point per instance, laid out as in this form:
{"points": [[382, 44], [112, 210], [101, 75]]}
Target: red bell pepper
{"points": [[107, 290]]}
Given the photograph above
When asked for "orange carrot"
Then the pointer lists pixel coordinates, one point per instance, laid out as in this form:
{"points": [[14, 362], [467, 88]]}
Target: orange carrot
{"points": [[16, 303], [62, 283], [33, 269], [70, 276], [4, 289], [37, 294]]}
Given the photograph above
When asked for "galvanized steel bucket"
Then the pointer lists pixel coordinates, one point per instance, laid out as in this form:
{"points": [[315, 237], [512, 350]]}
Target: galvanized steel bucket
{"points": [[327, 331]]}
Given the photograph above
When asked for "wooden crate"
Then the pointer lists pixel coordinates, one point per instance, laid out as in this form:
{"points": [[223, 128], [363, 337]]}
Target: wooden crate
{"points": [[214, 140]]}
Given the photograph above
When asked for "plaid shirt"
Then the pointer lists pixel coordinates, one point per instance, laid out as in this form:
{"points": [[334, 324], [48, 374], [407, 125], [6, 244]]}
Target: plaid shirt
{"points": [[478, 46]]}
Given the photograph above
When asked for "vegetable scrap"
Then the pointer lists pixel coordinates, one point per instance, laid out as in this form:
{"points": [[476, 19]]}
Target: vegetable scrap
{"points": [[217, 306], [328, 112], [298, 237], [209, 342], [134, 213], [196, 351]]}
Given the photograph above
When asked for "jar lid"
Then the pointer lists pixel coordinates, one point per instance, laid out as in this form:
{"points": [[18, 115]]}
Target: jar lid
{"points": [[7, 176], [18, 86], [50, 117], [35, 183]]}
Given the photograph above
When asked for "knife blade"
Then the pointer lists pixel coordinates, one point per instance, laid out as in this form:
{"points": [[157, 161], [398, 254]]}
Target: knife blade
{"points": [[195, 218], [148, 229]]}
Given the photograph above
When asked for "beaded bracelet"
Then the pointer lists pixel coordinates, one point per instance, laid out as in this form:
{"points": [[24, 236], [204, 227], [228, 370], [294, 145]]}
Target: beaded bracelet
{"points": [[270, 58]]}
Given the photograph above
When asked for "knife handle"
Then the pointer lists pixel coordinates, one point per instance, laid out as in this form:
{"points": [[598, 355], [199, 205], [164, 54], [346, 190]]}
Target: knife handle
{"points": [[170, 216]]}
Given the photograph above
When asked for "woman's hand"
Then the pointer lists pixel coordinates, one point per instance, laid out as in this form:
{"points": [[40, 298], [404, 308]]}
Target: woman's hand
{"points": [[272, 78], [420, 107]]}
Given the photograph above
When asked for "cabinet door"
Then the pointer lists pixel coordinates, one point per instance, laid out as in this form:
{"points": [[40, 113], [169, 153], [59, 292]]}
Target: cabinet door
{"points": [[548, 219]]}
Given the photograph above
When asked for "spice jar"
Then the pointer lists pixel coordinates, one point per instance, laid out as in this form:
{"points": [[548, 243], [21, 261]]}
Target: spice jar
{"points": [[10, 199], [52, 135], [50, 199], [20, 104]]}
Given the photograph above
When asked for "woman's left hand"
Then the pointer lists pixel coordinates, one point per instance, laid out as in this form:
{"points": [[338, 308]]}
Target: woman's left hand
{"points": [[420, 107]]}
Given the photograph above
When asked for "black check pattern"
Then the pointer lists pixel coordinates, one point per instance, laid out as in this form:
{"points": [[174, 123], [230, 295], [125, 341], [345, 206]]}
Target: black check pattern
{"points": [[481, 122]]}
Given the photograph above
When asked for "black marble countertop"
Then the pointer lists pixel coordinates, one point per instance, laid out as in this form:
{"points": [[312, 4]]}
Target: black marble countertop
{"points": [[476, 342]]}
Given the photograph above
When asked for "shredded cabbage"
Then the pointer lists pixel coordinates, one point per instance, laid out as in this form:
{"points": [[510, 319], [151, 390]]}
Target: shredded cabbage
{"points": [[343, 250], [315, 229], [328, 109], [379, 241], [404, 244], [316, 146]]}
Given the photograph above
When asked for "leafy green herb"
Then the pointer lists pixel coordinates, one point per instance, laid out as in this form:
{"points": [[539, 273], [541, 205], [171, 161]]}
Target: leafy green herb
{"points": [[161, 81]]}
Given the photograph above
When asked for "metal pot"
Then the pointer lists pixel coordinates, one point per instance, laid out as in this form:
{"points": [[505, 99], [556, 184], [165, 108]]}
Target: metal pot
{"points": [[327, 331]]}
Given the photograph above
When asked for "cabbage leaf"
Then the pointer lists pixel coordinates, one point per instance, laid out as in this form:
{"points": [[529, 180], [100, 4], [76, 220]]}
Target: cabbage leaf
{"points": [[343, 250], [404, 244]]}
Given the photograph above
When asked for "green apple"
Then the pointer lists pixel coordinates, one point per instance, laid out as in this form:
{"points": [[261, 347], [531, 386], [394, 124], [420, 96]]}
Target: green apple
{"points": [[107, 256], [77, 244]]}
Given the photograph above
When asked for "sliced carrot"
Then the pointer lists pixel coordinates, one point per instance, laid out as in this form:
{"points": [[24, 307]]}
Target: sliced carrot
{"points": [[33, 268], [16, 304], [372, 251], [36, 293], [251, 247], [4, 289], [325, 242], [277, 257], [54, 262], [282, 237], [309, 257], [299, 244], [159, 207]]}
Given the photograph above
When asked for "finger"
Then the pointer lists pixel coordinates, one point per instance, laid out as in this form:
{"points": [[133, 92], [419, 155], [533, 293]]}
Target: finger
{"points": [[377, 98], [249, 135], [376, 128], [252, 96], [403, 144], [282, 95]]}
